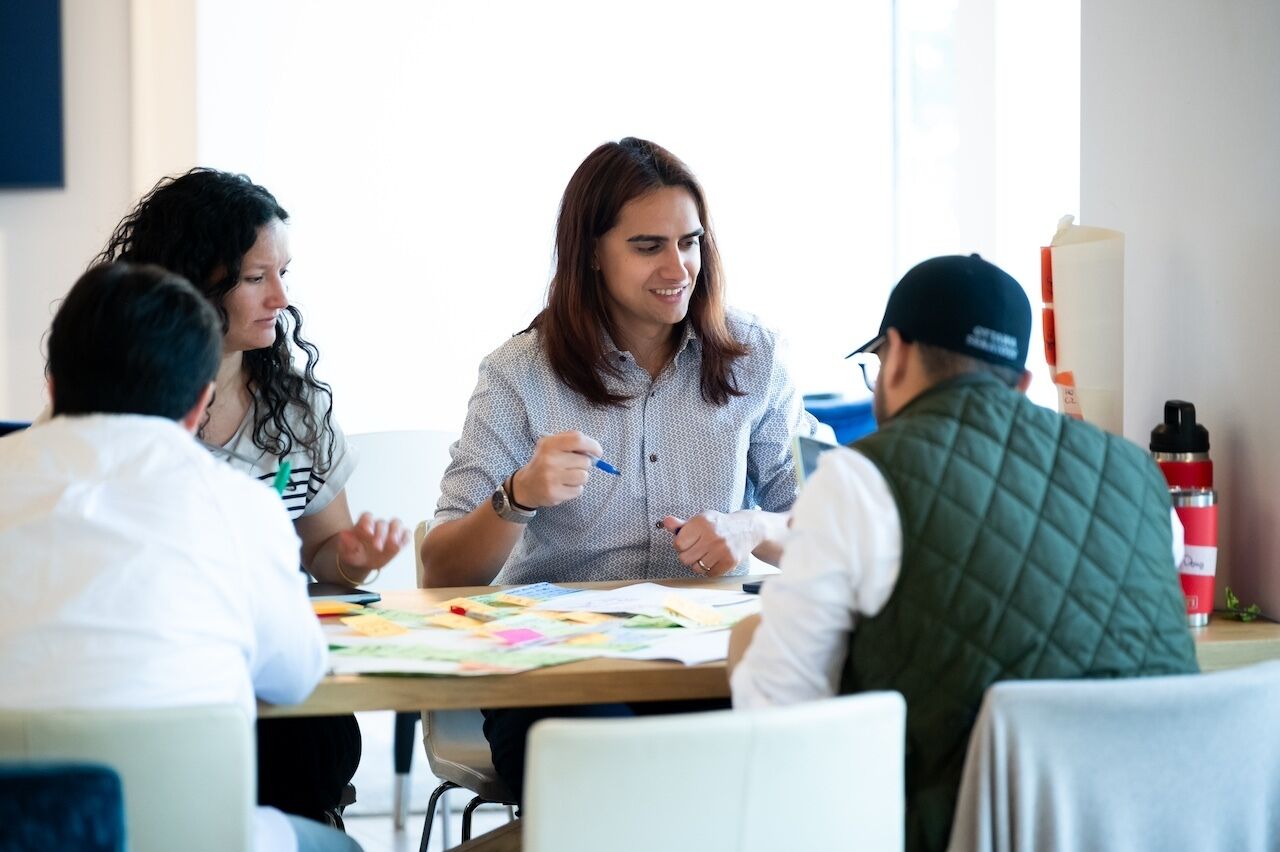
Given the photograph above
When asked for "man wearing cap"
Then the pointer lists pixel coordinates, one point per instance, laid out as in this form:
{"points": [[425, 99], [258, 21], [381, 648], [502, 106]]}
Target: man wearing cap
{"points": [[975, 537]]}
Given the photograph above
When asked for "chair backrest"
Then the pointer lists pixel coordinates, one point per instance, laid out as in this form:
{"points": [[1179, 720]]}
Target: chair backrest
{"points": [[825, 775], [398, 475], [1182, 762], [71, 807], [188, 772]]}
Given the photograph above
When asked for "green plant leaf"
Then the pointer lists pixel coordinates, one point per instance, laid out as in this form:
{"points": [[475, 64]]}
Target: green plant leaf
{"points": [[1233, 602]]}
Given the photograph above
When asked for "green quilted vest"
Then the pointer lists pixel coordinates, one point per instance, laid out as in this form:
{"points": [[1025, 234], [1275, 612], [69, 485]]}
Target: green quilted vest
{"points": [[1033, 546]]}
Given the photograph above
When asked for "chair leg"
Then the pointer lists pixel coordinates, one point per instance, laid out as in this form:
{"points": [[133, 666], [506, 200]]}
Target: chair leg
{"points": [[444, 787], [466, 817], [446, 822], [402, 754]]}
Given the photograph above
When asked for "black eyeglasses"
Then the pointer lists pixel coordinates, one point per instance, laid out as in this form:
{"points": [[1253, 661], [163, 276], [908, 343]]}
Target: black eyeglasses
{"points": [[869, 363]]}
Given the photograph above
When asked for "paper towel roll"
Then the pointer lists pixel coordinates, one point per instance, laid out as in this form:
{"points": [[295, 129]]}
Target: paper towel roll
{"points": [[1088, 307]]}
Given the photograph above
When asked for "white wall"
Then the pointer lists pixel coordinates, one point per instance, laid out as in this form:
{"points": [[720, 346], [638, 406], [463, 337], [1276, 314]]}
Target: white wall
{"points": [[47, 236], [1180, 138]]}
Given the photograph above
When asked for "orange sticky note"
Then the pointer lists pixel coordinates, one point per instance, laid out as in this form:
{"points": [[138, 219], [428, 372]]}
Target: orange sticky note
{"points": [[696, 613], [454, 621], [373, 625], [323, 608], [587, 639], [515, 600], [469, 606]]}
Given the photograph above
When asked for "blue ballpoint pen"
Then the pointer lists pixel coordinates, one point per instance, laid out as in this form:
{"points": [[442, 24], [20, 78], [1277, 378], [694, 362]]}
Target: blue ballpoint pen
{"points": [[606, 467]]}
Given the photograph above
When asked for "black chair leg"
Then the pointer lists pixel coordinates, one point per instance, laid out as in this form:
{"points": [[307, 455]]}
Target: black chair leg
{"points": [[402, 754], [444, 787], [466, 817]]}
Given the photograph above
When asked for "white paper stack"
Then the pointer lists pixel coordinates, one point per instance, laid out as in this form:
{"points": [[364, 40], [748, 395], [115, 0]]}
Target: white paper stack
{"points": [[1084, 295]]}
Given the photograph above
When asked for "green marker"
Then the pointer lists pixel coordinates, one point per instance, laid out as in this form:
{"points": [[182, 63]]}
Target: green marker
{"points": [[282, 477]]}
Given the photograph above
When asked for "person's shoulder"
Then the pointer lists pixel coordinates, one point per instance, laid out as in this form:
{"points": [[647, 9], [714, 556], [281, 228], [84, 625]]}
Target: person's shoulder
{"points": [[518, 355], [748, 329]]}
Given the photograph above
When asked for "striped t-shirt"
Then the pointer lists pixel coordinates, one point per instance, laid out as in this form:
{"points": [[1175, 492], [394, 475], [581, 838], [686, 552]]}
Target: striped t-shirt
{"points": [[308, 490]]}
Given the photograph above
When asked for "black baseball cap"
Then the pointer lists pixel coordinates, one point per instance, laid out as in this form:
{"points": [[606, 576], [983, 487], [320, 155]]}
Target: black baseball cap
{"points": [[962, 304]]}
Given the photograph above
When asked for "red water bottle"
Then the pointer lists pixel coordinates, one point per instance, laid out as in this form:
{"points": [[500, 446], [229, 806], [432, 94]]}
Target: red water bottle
{"points": [[1181, 448]]}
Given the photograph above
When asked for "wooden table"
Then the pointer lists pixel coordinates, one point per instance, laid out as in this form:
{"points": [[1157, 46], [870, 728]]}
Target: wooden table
{"points": [[1222, 644], [1225, 644], [587, 682]]}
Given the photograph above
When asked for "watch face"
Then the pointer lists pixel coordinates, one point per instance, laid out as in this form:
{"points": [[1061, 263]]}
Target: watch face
{"points": [[499, 501]]}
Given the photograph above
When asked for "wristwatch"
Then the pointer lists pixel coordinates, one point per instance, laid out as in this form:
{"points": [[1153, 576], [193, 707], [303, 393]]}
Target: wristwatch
{"points": [[508, 509]]}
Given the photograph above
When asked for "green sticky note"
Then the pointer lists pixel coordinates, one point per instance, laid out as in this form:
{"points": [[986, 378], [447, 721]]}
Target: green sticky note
{"points": [[650, 621]]}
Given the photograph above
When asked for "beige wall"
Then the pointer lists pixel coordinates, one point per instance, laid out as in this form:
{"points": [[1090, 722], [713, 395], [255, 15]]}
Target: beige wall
{"points": [[1180, 149], [48, 235], [128, 118]]}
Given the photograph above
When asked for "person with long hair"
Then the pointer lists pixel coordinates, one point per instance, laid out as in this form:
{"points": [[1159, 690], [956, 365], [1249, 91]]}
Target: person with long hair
{"points": [[227, 236], [637, 429]]}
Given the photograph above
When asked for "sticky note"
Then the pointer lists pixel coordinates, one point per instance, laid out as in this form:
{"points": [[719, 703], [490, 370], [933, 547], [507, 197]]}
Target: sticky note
{"points": [[697, 613], [589, 617], [514, 600], [471, 607], [517, 636], [335, 608], [373, 625], [454, 622], [588, 639]]}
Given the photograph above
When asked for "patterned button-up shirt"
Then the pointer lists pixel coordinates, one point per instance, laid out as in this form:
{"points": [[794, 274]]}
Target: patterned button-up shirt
{"points": [[678, 454]]}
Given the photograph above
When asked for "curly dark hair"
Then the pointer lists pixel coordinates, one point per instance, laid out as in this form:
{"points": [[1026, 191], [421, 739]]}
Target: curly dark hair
{"points": [[200, 225]]}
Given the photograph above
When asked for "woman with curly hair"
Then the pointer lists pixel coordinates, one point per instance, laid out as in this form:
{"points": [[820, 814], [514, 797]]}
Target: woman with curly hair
{"points": [[227, 236]]}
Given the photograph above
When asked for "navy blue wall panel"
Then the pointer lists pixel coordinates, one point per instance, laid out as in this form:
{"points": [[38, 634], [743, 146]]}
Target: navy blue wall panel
{"points": [[30, 93]]}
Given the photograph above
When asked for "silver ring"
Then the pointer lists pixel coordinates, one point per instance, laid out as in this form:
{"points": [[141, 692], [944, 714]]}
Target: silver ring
{"points": [[703, 565]]}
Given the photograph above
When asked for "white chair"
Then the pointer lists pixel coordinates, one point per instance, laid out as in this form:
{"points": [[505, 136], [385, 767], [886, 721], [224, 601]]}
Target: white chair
{"points": [[1181, 762], [398, 474], [188, 772], [826, 775]]}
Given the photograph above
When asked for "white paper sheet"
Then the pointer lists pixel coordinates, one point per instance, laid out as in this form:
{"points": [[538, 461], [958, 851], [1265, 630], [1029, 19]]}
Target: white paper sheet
{"points": [[1088, 307], [640, 598]]}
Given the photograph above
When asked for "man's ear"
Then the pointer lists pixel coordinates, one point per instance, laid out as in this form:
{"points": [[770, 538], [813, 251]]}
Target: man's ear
{"points": [[893, 359], [1024, 382], [192, 419]]}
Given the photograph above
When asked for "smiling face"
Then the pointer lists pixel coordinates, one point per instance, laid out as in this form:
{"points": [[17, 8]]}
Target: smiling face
{"points": [[649, 262], [254, 304]]}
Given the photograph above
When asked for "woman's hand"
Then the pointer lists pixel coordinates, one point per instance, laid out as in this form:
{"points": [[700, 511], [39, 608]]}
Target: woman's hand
{"points": [[370, 544], [714, 543], [560, 467]]}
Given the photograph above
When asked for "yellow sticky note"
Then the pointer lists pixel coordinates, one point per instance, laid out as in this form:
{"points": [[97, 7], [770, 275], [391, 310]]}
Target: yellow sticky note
{"points": [[470, 606], [704, 615], [335, 607], [515, 600], [589, 617], [373, 625], [587, 639], [453, 621]]}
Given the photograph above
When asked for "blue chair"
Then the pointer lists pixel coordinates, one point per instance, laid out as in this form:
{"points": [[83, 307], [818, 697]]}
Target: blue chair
{"points": [[849, 419], [7, 426], [71, 807]]}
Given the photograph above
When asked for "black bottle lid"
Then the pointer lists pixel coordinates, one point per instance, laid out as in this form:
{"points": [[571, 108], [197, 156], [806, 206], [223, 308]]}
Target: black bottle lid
{"points": [[1179, 433]]}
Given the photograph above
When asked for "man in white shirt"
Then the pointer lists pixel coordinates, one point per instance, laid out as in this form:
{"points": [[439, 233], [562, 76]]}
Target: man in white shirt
{"points": [[975, 537], [140, 571]]}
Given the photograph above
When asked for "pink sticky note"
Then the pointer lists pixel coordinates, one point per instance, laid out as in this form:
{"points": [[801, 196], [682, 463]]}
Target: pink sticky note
{"points": [[517, 635]]}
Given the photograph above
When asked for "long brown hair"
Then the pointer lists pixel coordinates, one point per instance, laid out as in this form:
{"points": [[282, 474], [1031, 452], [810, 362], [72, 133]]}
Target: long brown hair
{"points": [[570, 325]]}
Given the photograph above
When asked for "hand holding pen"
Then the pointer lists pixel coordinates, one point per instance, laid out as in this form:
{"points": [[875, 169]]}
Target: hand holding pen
{"points": [[558, 471]]}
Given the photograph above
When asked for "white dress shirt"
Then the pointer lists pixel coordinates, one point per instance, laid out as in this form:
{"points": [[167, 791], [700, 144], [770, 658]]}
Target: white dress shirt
{"points": [[142, 572], [841, 560]]}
